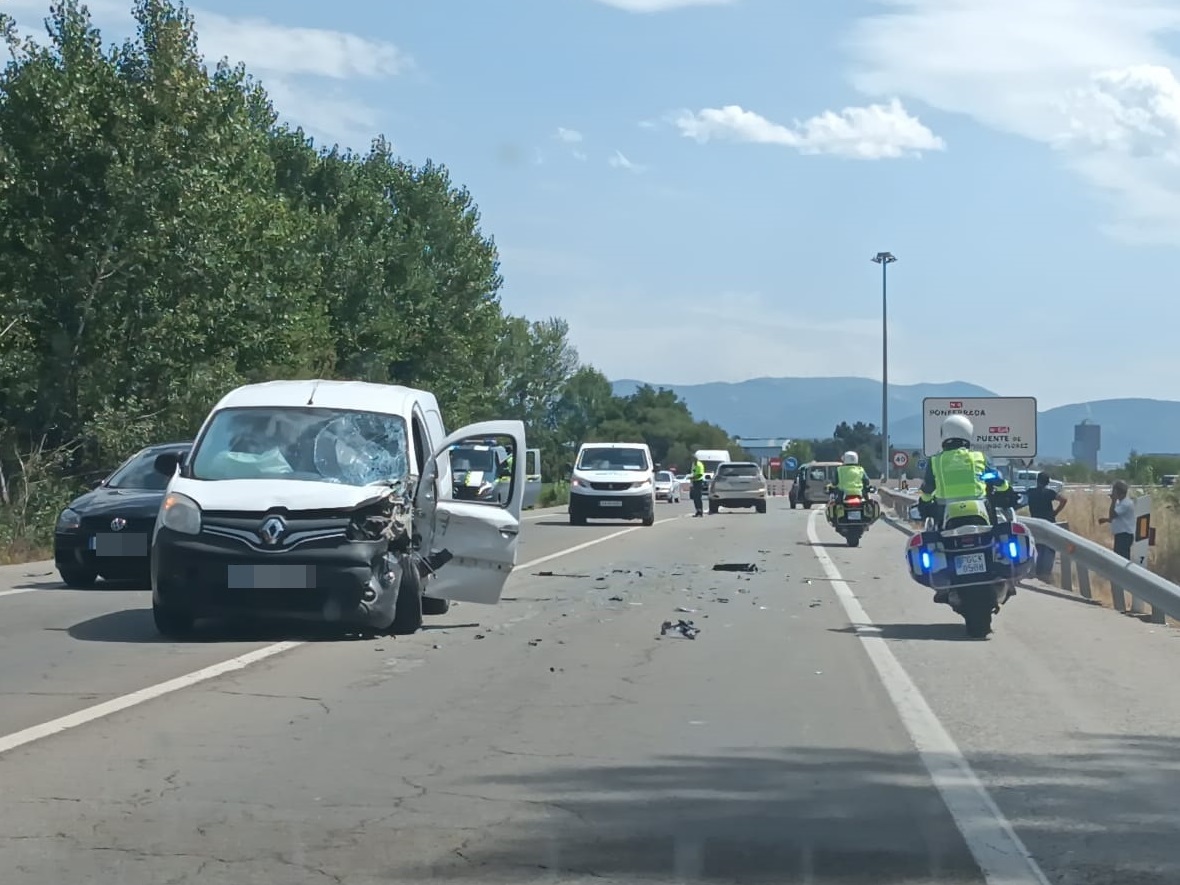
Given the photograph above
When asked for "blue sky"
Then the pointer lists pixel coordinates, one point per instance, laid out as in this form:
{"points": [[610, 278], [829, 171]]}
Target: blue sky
{"points": [[698, 185]]}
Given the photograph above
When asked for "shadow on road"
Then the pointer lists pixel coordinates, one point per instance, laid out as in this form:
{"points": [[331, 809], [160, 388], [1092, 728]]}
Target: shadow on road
{"points": [[135, 626], [938, 632], [102, 585], [827, 816]]}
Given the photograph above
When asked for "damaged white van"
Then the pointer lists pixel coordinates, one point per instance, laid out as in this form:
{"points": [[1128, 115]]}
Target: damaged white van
{"points": [[329, 501]]}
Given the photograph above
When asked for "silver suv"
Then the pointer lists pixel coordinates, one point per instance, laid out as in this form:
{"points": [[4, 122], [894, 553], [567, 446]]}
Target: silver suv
{"points": [[738, 484]]}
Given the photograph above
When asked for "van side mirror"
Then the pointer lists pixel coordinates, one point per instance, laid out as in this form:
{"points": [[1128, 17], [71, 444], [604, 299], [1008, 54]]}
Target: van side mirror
{"points": [[167, 463]]}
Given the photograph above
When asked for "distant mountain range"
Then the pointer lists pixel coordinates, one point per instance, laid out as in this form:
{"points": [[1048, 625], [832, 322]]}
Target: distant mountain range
{"points": [[812, 407]]}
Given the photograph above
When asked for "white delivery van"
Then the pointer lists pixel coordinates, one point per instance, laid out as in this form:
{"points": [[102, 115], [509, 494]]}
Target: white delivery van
{"points": [[712, 459], [329, 501], [613, 481]]}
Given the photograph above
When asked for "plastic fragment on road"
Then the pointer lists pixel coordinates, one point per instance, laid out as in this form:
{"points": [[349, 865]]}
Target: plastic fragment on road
{"points": [[735, 567], [687, 629]]}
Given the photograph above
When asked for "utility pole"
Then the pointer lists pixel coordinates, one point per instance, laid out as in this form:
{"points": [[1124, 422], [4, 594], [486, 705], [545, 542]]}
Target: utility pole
{"points": [[884, 259]]}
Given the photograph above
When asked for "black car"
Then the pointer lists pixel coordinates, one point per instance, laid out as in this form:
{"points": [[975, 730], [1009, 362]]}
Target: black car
{"points": [[107, 532]]}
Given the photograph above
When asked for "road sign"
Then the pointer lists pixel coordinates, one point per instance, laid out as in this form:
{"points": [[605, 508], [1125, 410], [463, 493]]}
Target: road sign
{"points": [[900, 459], [922, 464], [791, 463], [775, 463], [1142, 530], [1005, 426]]}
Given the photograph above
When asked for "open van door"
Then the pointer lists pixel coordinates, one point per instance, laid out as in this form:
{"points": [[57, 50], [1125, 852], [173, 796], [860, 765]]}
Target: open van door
{"points": [[532, 486], [481, 536]]}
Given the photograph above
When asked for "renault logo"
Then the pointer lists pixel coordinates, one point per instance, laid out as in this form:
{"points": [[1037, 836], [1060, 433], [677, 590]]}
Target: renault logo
{"points": [[118, 524], [272, 530]]}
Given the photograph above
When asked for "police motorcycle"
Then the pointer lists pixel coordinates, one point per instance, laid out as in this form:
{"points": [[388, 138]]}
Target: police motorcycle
{"points": [[852, 515], [975, 557]]}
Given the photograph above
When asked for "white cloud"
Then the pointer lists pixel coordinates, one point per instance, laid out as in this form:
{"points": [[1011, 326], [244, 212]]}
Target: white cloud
{"points": [[662, 5], [266, 46], [1089, 78], [579, 155], [868, 133], [303, 69], [569, 136], [617, 160]]}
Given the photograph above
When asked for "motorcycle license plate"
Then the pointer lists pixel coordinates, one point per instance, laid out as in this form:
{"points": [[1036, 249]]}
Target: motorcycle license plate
{"points": [[971, 564], [853, 515]]}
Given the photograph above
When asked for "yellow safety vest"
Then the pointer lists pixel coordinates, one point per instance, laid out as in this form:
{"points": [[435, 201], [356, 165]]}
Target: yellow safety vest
{"points": [[850, 479]]}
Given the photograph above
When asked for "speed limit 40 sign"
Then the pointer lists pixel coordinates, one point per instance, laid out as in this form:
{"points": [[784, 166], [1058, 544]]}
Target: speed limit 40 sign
{"points": [[900, 459]]}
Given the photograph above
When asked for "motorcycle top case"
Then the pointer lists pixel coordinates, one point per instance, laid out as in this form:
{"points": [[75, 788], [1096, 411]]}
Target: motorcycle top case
{"points": [[870, 512], [971, 555]]}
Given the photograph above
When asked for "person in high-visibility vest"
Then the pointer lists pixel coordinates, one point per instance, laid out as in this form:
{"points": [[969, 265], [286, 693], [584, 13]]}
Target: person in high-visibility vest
{"points": [[698, 486], [955, 476], [851, 480]]}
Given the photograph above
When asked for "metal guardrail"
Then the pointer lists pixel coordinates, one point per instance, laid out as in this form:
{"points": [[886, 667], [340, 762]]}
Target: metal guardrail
{"points": [[1083, 556]]}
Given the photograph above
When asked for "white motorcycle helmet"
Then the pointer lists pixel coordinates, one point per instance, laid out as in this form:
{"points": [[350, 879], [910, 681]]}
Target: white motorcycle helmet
{"points": [[957, 429], [851, 458]]}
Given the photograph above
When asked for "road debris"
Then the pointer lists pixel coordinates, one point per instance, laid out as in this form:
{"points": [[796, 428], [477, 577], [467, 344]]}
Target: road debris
{"points": [[557, 575], [686, 610], [735, 567], [685, 628]]}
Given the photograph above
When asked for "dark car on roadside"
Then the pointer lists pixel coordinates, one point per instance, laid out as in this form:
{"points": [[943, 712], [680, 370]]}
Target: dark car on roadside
{"points": [[107, 532]]}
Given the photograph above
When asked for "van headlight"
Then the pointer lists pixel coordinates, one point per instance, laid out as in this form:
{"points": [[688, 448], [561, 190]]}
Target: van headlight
{"points": [[644, 484], [180, 513], [68, 521]]}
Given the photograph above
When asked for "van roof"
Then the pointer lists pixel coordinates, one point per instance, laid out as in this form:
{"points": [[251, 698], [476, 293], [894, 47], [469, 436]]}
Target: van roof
{"points": [[614, 445], [361, 396]]}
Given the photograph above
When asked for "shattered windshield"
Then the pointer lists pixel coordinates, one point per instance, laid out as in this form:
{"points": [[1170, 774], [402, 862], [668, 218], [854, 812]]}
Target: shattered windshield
{"points": [[312, 444]]}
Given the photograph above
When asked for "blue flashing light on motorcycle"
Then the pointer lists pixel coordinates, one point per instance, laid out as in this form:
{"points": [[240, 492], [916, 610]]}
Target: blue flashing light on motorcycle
{"points": [[990, 476], [926, 562]]}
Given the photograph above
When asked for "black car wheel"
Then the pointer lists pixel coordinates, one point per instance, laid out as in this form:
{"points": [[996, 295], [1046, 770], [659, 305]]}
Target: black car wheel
{"points": [[173, 623], [77, 576], [408, 610]]}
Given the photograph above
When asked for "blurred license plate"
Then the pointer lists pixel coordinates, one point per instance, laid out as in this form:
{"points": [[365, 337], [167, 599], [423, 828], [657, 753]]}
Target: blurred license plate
{"points": [[271, 577], [971, 564], [610, 503], [853, 515], [117, 544]]}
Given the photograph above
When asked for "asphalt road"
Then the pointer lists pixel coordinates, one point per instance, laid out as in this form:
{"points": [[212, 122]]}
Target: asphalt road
{"points": [[829, 724]]}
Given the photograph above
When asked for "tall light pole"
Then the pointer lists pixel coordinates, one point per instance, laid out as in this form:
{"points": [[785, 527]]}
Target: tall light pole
{"points": [[884, 259]]}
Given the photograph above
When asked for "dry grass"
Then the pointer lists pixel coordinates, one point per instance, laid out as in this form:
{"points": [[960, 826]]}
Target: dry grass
{"points": [[1084, 510], [20, 552]]}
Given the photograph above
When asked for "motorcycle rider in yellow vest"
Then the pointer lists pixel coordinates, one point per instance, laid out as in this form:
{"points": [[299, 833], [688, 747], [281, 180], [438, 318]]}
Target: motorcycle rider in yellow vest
{"points": [[851, 480], [956, 475]]}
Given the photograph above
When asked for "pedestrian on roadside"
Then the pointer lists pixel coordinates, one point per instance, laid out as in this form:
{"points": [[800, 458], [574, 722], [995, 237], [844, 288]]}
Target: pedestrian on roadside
{"points": [[1047, 504], [1121, 518], [698, 487]]}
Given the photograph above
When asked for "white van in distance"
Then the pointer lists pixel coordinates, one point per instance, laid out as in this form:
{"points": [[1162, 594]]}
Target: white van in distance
{"points": [[329, 501], [613, 481]]}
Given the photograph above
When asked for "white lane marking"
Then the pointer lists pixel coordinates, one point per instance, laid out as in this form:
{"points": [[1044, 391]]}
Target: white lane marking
{"points": [[106, 708], [19, 590], [583, 546], [1002, 856], [241, 662]]}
